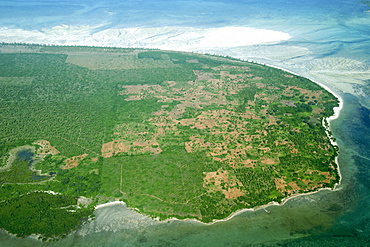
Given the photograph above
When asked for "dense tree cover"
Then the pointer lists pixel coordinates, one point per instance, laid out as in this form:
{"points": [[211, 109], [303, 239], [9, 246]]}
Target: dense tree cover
{"points": [[51, 216], [19, 173], [248, 111]]}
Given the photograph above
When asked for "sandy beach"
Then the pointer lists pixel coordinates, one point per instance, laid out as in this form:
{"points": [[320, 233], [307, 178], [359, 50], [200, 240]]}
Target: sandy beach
{"points": [[109, 204], [263, 207], [168, 38]]}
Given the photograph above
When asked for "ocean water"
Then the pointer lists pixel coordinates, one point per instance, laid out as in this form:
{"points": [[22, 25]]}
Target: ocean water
{"points": [[329, 41]]}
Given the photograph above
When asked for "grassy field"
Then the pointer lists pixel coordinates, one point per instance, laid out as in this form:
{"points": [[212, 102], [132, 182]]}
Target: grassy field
{"points": [[172, 134]]}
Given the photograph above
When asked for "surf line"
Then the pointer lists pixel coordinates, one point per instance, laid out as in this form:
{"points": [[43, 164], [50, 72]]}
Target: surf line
{"points": [[336, 114]]}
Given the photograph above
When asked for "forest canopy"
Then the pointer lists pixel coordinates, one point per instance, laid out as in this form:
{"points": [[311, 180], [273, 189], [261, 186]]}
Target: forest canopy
{"points": [[173, 134]]}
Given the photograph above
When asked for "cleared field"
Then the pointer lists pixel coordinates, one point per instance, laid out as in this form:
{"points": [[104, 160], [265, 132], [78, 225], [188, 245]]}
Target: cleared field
{"points": [[116, 61], [172, 134]]}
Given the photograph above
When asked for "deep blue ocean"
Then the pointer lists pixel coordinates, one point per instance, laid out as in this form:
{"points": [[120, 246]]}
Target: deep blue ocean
{"points": [[330, 43]]}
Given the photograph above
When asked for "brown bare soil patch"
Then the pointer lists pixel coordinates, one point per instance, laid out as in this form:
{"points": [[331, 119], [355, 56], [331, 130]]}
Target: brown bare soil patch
{"points": [[306, 181], [46, 148], [249, 114], [223, 181], [260, 85], [120, 146], [187, 122], [309, 95], [196, 144], [328, 176], [272, 120], [249, 163], [73, 161], [317, 110], [280, 184], [111, 148], [294, 150], [232, 193], [268, 161], [234, 142], [294, 186]]}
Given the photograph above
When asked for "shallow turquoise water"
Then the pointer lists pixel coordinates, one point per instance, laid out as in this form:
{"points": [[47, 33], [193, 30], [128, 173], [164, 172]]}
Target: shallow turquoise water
{"points": [[328, 29]]}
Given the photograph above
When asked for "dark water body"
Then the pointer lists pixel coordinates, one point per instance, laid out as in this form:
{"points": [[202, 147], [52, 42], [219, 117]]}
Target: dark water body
{"points": [[26, 155], [37, 177], [29, 156]]}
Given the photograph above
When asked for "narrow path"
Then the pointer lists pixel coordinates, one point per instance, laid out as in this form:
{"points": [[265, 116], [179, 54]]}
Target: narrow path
{"points": [[153, 196]]}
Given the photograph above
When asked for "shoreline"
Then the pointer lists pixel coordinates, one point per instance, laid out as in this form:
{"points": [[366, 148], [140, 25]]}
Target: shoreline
{"points": [[232, 215], [284, 200], [107, 204], [329, 119], [336, 114]]}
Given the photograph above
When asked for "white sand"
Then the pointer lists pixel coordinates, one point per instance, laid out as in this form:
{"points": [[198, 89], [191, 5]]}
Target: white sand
{"points": [[172, 38], [109, 204], [336, 109], [329, 119], [169, 38]]}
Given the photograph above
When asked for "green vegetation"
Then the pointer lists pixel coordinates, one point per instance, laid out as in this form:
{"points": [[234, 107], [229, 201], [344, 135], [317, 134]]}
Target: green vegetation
{"points": [[43, 213], [19, 173], [172, 134]]}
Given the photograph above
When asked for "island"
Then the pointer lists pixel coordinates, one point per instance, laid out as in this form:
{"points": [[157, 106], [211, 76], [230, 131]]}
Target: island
{"points": [[171, 134]]}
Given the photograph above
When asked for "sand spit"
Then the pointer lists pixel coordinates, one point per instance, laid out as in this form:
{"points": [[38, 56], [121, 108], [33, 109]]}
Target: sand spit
{"points": [[169, 38]]}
